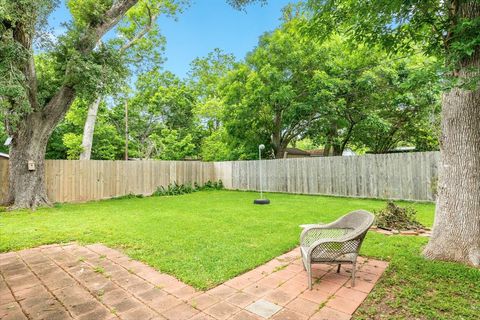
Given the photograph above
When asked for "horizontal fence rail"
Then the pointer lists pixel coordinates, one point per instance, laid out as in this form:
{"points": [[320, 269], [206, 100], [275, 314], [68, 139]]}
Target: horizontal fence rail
{"points": [[409, 176]]}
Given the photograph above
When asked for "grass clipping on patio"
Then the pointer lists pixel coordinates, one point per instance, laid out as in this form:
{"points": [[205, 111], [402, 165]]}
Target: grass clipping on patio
{"points": [[394, 217]]}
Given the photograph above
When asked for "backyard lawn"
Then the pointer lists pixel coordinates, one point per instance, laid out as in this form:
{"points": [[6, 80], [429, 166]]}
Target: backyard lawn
{"points": [[208, 237]]}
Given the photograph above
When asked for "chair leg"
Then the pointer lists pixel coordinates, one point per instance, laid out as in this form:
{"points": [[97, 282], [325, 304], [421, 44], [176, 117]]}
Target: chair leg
{"points": [[309, 272], [303, 260], [338, 268], [353, 273]]}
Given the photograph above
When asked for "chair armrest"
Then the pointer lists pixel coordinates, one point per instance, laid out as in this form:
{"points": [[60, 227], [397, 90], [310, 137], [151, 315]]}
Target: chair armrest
{"points": [[349, 237], [326, 242]]}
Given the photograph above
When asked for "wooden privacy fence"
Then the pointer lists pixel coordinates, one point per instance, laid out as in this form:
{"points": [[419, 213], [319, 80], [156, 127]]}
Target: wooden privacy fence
{"points": [[83, 180], [409, 176]]}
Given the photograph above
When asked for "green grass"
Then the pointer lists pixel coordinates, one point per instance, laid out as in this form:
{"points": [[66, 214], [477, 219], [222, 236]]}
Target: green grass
{"points": [[206, 238]]}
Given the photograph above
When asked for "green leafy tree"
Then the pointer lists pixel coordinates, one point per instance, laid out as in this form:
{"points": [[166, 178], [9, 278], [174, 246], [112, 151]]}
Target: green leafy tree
{"points": [[107, 143], [448, 30], [339, 95], [381, 106], [350, 83], [140, 46], [409, 112], [33, 103], [56, 149], [206, 75], [171, 146], [215, 146], [270, 98], [160, 101], [371, 100], [73, 143]]}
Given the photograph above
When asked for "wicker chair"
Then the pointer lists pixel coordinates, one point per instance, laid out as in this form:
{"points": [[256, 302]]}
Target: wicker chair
{"points": [[335, 243]]}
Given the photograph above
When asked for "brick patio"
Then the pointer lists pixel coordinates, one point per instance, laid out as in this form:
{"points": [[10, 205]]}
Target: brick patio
{"points": [[96, 282]]}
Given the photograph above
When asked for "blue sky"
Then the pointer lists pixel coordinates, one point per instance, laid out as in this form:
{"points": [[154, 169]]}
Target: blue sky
{"points": [[205, 25]]}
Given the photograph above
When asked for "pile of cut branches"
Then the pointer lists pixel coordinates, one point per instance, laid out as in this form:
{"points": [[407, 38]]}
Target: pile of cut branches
{"points": [[394, 217]]}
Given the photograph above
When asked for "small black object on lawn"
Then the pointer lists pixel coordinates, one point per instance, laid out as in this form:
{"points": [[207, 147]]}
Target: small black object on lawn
{"points": [[261, 200]]}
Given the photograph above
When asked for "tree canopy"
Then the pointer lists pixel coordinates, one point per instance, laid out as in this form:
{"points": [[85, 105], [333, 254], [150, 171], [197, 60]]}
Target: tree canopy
{"points": [[292, 87]]}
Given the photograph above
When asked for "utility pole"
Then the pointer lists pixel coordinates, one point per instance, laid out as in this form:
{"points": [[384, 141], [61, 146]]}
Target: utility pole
{"points": [[126, 130]]}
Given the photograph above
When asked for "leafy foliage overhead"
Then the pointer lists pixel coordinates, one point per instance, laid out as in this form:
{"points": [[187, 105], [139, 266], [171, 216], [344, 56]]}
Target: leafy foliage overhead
{"points": [[431, 26], [302, 82]]}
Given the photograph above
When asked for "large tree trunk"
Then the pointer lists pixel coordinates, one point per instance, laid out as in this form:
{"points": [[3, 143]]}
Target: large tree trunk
{"points": [[456, 230], [89, 128], [31, 133], [327, 146], [277, 135], [337, 149], [280, 152], [330, 149], [27, 187]]}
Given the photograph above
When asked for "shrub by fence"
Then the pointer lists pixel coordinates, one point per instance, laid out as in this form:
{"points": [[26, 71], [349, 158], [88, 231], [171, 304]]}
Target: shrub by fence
{"points": [[410, 176]]}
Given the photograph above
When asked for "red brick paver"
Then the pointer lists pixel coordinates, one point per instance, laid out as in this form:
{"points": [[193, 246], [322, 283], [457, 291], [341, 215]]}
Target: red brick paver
{"points": [[96, 282]]}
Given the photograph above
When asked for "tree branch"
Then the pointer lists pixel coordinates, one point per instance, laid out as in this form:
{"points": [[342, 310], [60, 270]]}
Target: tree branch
{"points": [[110, 19], [142, 33], [300, 126], [21, 35], [348, 135], [58, 105], [62, 100]]}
